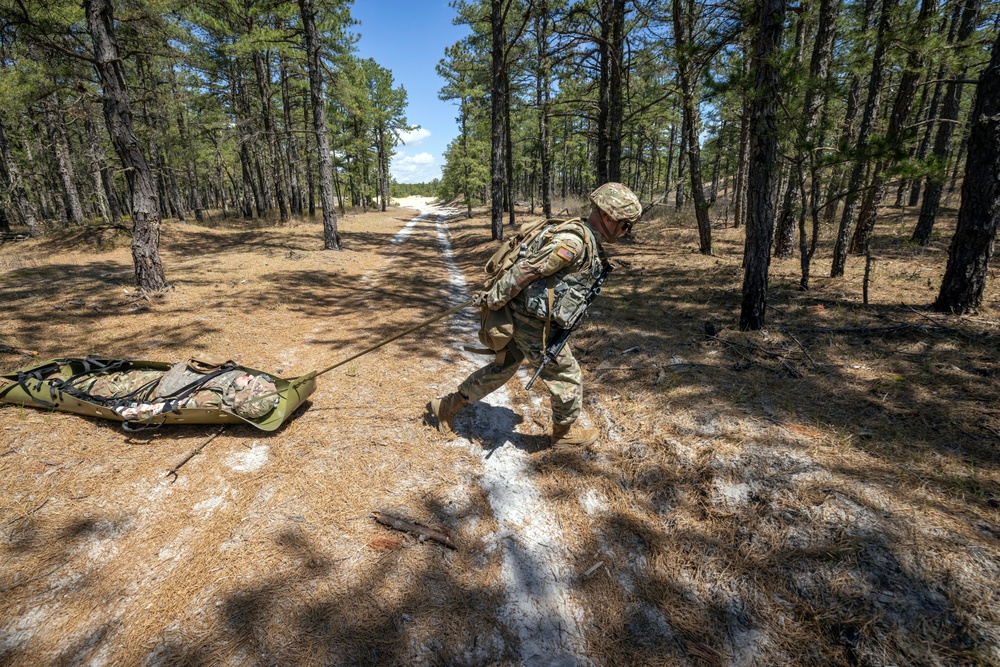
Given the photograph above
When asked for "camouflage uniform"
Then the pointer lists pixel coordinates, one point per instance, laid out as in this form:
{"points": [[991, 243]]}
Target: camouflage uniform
{"points": [[569, 255], [249, 396]]}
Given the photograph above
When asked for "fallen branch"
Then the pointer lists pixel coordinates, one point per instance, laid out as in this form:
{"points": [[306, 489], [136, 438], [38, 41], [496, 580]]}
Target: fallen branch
{"points": [[7, 589], [421, 531], [194, 452], [7, 349]]}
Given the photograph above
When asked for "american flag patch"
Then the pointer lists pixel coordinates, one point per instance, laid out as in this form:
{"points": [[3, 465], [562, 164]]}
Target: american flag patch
{"points": [[566, 253]]}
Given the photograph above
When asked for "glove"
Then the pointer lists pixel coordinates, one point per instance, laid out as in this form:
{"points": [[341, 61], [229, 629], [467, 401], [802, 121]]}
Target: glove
{"points": [[479, 298]]}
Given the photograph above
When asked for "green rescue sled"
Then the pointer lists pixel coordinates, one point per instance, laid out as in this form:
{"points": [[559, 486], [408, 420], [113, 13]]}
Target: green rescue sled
{"points": [[52, 384]]}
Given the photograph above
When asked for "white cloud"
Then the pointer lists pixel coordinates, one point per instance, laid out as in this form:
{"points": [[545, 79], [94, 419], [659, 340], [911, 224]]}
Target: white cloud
{"points": [[414, 137], [419, 168]]}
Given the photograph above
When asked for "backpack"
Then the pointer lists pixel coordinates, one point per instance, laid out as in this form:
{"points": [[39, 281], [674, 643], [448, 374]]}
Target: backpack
{"points": [[497, 326]]}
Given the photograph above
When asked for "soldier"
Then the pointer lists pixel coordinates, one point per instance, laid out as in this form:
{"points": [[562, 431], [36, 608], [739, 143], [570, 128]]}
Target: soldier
{"points": [[568, 260]]}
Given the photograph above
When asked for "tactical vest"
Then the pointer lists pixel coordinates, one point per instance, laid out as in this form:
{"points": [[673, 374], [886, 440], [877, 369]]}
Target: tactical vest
{"points": [[557, 298], [560, 297]]}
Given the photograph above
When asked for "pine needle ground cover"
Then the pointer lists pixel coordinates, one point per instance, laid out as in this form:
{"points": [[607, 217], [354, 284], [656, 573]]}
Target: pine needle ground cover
{"points": [[823, 492]]}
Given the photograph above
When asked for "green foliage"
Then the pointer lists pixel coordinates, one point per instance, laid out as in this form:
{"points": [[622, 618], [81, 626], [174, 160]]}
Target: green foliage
{"points": [[415, 189]]}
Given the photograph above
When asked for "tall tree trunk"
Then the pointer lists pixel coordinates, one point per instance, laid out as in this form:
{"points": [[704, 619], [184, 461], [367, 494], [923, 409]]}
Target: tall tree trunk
{"points": [[670, 161], [60, 147], [791, 203], [763, 161], [897, 134], [812, 108], [847, 219], [929, 119], [331, 238], [743, 163], [107, 183], [942, 140], [972, 246], [262, 70], [118, 116], [542, 84], [290, 141], [682, 33], [310, 182], [497, 78], [611, 53], [187, 148], [11, 175], [681, 162], [508, 151], [97, 166]]}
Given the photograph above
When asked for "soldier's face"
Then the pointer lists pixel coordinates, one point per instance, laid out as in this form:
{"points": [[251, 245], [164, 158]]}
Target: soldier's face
{"points": [[614, 230]]}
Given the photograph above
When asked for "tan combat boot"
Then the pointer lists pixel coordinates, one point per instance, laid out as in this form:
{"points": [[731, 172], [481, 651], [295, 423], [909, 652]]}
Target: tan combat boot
{"points": [[565, 436], [445, 409]]}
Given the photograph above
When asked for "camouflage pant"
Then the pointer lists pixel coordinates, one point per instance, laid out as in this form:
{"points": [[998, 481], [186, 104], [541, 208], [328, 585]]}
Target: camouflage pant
{"points": [[563, 376]]}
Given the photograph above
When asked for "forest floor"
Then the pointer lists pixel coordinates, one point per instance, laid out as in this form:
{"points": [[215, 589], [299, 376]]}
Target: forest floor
{"points": [[825, 492]]}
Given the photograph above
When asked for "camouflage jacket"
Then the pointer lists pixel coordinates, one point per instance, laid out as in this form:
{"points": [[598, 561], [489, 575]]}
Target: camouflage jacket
{"points": [[571, 255]]}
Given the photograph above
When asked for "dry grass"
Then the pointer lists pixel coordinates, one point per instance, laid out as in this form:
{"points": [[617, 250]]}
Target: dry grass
{"points": [[822, 493]]}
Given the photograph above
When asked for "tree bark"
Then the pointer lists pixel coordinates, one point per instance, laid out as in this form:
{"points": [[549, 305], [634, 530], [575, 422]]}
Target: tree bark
{"points": [[262, 70], [290, 142], [847, 219], [897, 134], [60, 146], [542, 84], [497, 76], [118, 116], [942, 140], [972, 246], [609, 109], [812, 109], [331, 238], [310, 181], [685, 73], [763, 160], [11, 175]]}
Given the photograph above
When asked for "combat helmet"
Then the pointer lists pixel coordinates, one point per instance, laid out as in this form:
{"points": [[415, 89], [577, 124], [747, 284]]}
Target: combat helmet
{"points": [[618, 202]]}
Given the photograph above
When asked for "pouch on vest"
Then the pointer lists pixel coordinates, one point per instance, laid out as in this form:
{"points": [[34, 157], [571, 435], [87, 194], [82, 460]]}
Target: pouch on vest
{"points": [[206, 363], [496, 328]]}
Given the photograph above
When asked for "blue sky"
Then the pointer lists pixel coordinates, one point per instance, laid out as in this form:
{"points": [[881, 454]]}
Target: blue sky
{"points": [[409, 38]]}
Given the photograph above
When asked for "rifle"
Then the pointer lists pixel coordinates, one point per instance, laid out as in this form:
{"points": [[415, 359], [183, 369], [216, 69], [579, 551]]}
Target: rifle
{"points": [[558, 341]]}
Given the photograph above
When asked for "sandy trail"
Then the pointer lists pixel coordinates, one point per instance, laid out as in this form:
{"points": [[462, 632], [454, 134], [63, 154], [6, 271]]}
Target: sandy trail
{"points": [[540, 609]]}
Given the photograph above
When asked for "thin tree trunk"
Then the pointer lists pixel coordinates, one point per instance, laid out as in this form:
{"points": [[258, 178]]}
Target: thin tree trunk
{"points": [[763, 161], [681, 163], [542, 101], [96, 159], [942, 140], [812, 108], [609, 114], [263, 72], [497, 78], [965, 277], [118, 115], [12, 179], [331, 238], [931, 116], [310, 183], [897, 133], [847, 219], [682, 34], [290, 140], [60, 147]]}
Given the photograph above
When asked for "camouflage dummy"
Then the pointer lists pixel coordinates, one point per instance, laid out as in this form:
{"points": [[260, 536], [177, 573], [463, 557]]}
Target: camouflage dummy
{"points": [[558, 269], [147, 393]]}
